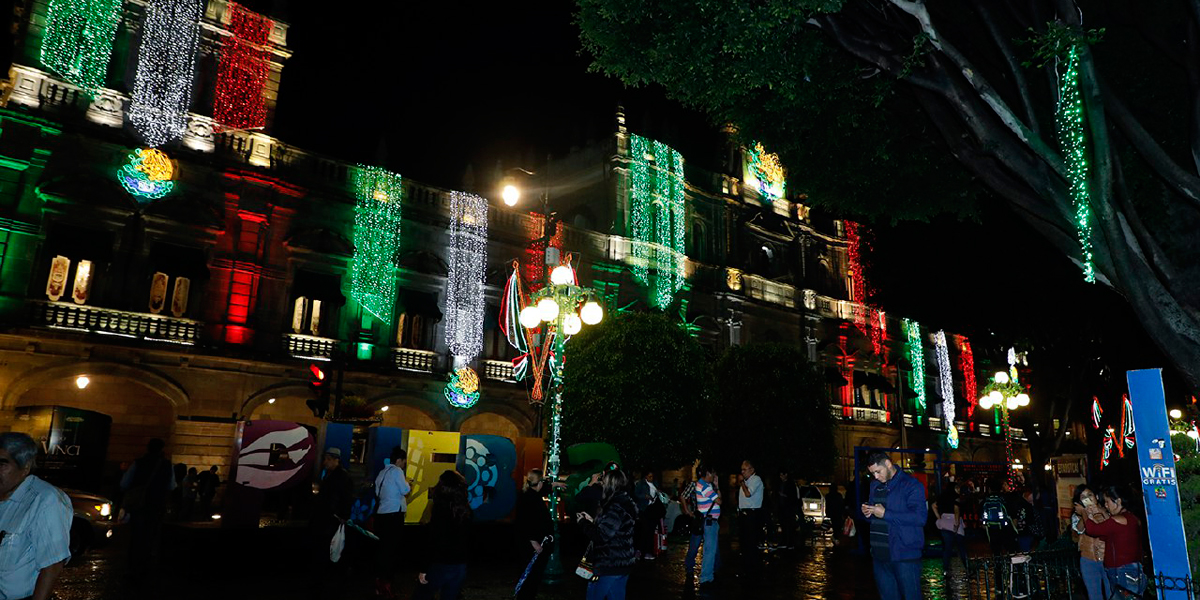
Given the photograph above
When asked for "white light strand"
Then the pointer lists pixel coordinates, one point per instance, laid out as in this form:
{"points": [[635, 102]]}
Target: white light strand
{"points": [[162, 91], [468, 258], [944, 374]]}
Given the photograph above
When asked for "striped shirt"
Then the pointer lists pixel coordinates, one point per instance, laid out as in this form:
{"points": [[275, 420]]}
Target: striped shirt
{"points": [[880, 546], [706, 499]]}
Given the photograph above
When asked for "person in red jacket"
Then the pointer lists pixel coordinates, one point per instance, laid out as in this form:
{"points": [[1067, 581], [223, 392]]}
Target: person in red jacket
{"points": [[1122, 537]]}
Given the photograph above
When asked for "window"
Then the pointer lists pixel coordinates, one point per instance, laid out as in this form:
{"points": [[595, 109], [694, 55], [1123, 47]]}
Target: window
{"points": [[416, 325], [316, 298], [74, 259], [495, 344]]}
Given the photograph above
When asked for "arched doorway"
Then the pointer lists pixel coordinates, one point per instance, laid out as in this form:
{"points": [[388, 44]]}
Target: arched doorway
{"points": [[138, 413], [409, 417], [488, 423]]}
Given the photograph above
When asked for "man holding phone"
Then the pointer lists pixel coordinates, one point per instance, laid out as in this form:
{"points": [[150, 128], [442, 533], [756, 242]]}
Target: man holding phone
{"points": [[896, 512]]}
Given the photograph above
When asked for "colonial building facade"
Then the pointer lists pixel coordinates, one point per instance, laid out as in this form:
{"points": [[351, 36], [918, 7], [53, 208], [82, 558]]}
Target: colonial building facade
{"points": [[183, 289]]}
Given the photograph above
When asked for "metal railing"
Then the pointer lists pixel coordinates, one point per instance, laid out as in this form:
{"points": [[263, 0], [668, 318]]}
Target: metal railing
{"points": [[859, 413], [500, 370], [1034, 575], [409, 359], [105, 321], [309, 346]]}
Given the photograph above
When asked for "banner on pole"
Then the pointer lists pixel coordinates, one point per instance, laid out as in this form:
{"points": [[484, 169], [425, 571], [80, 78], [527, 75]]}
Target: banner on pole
{"points": [[1160, 488]]}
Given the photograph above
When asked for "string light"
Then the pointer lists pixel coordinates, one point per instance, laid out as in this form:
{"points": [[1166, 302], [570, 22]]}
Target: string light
{"points": [[946, 382], [966, 364], [765, 173], [656, 215], [376, 240], [464, 290], [162, 90], [148, 174], [463, 389], [1073, 138], [916, 357], [1108, 446], [1127, 427], [78, 40], [242, 73], [1097, 412]]}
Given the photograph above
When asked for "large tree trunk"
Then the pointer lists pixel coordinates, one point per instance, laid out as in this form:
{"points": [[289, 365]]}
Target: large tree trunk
{"points": [[1020, 160]]}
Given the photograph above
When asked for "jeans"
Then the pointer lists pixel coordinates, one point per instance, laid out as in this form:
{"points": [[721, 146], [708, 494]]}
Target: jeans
{"points": [[689, 563], [389, 527], [608, 587], [708, 565], [444, 580], [1095, 579], [1128, 578], [952, 541], [898, 580], [750, 529]]}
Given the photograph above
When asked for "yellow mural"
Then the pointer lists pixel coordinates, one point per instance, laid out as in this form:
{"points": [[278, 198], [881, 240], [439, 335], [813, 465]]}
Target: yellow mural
{"points": [[429, 454]]}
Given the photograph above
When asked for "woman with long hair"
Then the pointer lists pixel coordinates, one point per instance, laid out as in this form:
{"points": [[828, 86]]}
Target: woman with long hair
{"points": [[611, 533], [1091, 549], [444, 557], [948, 509], [1121, 533]]}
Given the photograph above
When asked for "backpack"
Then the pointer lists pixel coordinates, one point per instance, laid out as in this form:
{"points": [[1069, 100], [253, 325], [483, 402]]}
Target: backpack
{"points": [[993, 512]]}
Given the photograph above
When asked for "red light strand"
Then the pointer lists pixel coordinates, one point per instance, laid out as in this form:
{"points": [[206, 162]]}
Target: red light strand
{"points": [[966, 364], [242, 74]]}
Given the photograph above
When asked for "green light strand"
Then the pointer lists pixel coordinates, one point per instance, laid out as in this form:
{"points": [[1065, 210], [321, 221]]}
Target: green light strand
{"points": [[78, 40], [1073, 138], [916, 357], [376, 240], [657, 212]]}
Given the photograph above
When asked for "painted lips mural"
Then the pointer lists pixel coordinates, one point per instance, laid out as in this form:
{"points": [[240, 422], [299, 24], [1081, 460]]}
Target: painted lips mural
{"points": [[275, 454]]}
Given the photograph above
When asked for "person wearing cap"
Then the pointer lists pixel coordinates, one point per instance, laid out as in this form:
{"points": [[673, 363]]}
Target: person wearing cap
{"points": [[334, 499]]}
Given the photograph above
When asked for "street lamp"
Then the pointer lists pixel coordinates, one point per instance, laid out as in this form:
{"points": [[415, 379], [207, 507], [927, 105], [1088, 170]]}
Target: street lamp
{"points": [[1005, 394], [564, 308]]}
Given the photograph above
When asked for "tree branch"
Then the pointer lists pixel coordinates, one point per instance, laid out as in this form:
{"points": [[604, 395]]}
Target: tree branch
{"points": [[1018, 74], [1184, 183]]}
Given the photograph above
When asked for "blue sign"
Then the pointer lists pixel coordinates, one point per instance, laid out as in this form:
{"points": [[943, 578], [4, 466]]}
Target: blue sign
{"points": [[1160, 490]]}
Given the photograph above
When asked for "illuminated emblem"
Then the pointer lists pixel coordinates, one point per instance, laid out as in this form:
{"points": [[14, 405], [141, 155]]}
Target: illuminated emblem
{"points": [[952, 436], [148, 174], [463, 389]]}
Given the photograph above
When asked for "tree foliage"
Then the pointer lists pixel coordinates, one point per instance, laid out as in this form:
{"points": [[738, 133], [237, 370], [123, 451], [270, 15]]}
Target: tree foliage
{"points": [[869, 101], [773, 408], [641, 383], [1187, 470]]}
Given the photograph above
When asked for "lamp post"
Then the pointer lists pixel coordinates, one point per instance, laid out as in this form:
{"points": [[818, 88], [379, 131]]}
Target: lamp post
{"points": [[562, 308], [1004, 394]]}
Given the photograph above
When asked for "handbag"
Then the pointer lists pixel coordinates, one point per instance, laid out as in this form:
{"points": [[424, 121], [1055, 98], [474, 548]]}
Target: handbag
{"points": [[585, 569], [848, 529], [946, 522], [338, 543]]}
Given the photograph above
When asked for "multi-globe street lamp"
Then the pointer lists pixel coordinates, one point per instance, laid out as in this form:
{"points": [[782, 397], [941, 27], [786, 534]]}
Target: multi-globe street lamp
{"points": [[561, 308], [1005, 394]]}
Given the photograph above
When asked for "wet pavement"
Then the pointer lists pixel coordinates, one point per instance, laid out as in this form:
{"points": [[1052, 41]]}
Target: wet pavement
{"points": [[273, 563]]}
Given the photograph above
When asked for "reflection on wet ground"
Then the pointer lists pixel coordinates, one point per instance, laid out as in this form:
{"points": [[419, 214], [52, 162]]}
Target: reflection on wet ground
{"points": [[273, 563]]}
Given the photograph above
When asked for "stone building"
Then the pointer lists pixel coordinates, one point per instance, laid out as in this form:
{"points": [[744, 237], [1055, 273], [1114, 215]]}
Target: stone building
{"points": [[181, 315]]}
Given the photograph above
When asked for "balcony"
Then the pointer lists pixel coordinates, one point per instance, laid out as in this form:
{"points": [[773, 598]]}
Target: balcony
{"points": [[104, 321], [408, 359], [500, 370], [308, 346], [861, 414]]}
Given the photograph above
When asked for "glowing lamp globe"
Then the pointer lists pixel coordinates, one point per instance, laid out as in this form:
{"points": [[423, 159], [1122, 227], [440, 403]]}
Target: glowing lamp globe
{"points": [[530, 317], [1023, 399], [510, 194], [591, 313], [1175, 412], [997, 398], [572, 324], [1012, 403], [985, 402], [1001, 377], [561, 275], [82, 382], [547, 309]]}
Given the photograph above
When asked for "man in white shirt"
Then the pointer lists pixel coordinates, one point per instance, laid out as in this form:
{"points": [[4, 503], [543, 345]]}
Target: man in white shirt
{"points": [[35, 524], [391, 489], [750, 523]]}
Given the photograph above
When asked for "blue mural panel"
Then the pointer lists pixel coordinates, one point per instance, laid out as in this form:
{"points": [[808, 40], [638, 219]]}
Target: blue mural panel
{"points": [[487, 463]]}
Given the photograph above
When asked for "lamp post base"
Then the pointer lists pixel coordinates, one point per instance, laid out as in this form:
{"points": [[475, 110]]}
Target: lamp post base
{"points": [[554, 572]]}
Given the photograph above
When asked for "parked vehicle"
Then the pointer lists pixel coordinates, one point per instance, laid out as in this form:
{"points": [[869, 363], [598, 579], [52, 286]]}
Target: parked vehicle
{"points": [[92, 526], [812, 506]]}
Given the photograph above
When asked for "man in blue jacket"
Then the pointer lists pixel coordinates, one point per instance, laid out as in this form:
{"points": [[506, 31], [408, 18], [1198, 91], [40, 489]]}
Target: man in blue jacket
{"points": [[896, 512]]}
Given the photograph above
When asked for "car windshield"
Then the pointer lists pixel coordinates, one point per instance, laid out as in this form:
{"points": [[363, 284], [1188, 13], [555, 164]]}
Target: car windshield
{"points": [[810, 493]]}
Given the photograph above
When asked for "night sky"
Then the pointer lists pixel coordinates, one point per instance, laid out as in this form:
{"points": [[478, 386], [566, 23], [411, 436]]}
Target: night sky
{"points": [[428, 89]]}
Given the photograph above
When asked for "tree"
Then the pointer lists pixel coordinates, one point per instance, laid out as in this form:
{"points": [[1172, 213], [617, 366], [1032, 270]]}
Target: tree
{"points": [[872, 98], [641, 383], [773, 408]]}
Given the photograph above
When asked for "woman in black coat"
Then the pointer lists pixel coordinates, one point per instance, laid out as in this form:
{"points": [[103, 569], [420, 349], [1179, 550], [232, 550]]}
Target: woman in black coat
{"points": [[443, 564], [611, 532]]}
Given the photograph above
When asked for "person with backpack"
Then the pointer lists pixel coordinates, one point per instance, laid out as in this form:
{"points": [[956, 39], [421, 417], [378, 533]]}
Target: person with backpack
{"points": [[391, 491], [997, 521], [896, 512]]}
